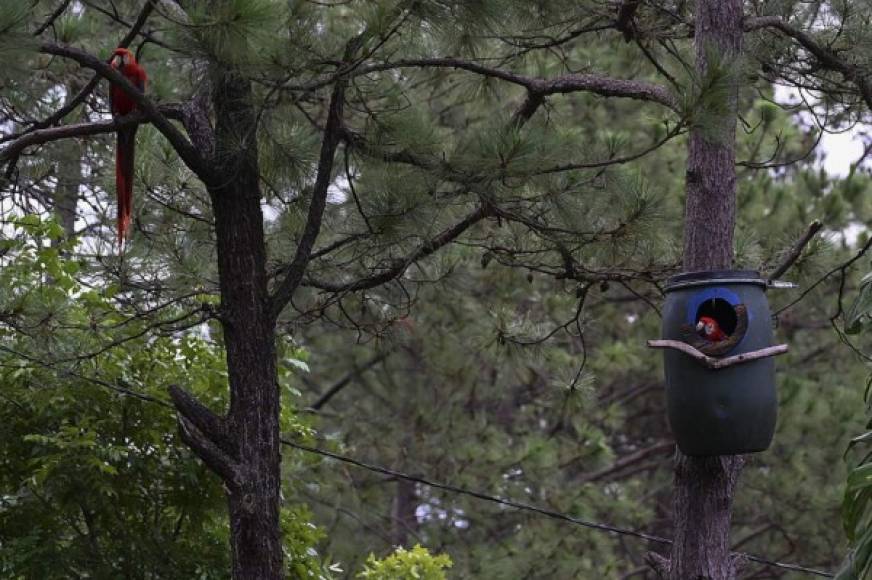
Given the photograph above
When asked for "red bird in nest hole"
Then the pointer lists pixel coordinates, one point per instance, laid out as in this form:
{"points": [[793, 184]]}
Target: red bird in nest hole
{"points": [[709, 329]]}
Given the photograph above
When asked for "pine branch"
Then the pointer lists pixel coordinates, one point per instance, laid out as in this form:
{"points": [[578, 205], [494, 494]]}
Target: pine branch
{"points": [[571, 83], [659, 448], [54, 16], [400, 265], [796, 250], [332, 136], [41, 136], [824, 55], [537, 88], [347, 379]]}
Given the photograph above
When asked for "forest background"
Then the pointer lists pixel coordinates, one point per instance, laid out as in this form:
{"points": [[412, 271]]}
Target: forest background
{"points": [[502, 204]]}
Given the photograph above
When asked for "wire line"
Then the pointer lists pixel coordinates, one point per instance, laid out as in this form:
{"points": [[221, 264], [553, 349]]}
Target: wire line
{"points": [[437, 485], [536, 509]]}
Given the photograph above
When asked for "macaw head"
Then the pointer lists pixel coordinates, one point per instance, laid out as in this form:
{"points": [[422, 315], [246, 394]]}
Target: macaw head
{"points": [[707, 326], [122, 57]]}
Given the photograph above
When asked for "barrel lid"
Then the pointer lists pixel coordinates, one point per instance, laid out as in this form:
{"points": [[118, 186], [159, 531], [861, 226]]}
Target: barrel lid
{"points": [[713, 277]]}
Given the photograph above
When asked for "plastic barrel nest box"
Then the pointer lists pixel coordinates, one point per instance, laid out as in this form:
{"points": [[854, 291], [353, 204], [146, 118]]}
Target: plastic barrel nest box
{"points": [[720, 392]]}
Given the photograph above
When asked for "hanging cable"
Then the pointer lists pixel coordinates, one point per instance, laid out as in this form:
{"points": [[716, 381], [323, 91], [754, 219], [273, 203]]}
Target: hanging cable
{"points": [[615, 530]]}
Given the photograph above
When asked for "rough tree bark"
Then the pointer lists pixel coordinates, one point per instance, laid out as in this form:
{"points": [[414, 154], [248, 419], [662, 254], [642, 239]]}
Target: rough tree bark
{"points": [[243, 447], [703, 486], [403, 519], [69, 178], [249, 335]]}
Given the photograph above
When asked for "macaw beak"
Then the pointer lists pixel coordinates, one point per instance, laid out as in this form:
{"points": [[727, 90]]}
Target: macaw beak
{"points": [[117, 60], [700, 326]]}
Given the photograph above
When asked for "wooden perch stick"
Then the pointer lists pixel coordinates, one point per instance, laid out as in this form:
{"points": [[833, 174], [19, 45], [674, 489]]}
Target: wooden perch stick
{"points": [[718, 363]]}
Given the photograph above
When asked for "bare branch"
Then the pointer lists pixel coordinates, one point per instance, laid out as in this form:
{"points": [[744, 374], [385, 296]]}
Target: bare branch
{"points": [[659, 448], [212, 455], [41, 136], [571, 83], [51, 19], [813, 228], [824, 55], [297, 268], [718, 363], [399, 266], [346, 380], [208, 423], [842, 268]]}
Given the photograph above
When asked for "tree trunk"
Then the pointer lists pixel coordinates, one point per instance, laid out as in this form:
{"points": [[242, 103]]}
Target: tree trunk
{"points": [[69, 177], [243, 446], [249, 336], [703, 486], [66, 194], [403, 519]]}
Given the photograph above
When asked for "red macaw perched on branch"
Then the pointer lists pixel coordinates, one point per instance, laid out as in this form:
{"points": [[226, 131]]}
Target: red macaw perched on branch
{"points": [[124, 62]]}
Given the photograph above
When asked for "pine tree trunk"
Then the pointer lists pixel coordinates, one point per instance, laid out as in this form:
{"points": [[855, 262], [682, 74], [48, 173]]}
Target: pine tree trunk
{"points": [[69, 177], [249, 336], [704, 486], [403, 519], [243, 446]]}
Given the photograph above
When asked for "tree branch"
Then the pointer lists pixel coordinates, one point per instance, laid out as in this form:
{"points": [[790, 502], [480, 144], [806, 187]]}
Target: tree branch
{"points": [[210, 424], [825, 57], [593, 83], [400, 265], [213, 456], [332, 135], [51, 19], [40, 136], [718, 363], [813, 228], [346, 380], [206, 433], [656, 449]]}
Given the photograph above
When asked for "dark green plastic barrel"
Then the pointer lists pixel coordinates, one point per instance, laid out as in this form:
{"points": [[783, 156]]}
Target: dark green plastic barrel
{"points": [[719, 411]]}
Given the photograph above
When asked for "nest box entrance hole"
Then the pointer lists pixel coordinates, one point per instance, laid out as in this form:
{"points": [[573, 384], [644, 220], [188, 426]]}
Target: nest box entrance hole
{"points": [[722, 311]]}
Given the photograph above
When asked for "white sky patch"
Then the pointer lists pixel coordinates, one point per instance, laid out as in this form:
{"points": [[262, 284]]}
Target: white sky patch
{"points": [[838, 151], [852, 232], [270, 213], [57, 93], [338, 191], [841, 150]]}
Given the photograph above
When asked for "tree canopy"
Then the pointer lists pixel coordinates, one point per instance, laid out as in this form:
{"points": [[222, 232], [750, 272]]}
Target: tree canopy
{"points": [[430, 236]]}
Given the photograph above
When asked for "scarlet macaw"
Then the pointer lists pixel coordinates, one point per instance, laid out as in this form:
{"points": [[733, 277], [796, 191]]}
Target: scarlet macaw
{"points": [[709, 329], [124, 62]]}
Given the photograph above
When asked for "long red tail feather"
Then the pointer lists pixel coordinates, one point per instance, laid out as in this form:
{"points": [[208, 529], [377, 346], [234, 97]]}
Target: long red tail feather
{"points": [[124, 155]]}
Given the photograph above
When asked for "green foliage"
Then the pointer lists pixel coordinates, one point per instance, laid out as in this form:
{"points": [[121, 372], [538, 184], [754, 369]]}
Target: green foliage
{"points": [[514, 358], [857, 502], [94, 480], [860, 312], [414, 564]]}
